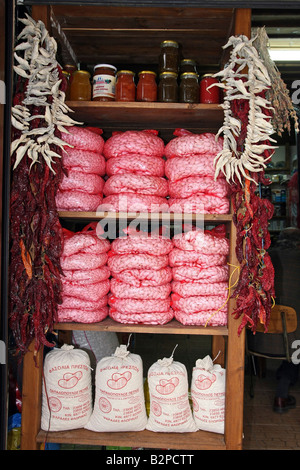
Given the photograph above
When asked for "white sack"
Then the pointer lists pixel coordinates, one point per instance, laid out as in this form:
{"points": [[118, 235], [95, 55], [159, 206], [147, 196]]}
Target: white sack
{"points": [[169, 403], [67, 389], [119, 397], [208, 395]]}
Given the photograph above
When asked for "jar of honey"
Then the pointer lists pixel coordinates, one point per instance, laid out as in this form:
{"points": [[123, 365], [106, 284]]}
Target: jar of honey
{"points": [[212, 95], [125, 86], [146, 89], [104, 82], [80, 88], [169, 57], [168, 87], [189, 88]]}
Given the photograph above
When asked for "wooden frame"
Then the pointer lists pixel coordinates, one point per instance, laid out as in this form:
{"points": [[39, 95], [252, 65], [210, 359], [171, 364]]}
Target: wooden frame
{"points": [[232, 355]]}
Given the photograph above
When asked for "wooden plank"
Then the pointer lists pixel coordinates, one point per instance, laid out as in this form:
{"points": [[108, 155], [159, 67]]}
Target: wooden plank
{"points": [[199, 440], [275, 325], [136, 115], [155, 217], [31, 398], [173, 327]]}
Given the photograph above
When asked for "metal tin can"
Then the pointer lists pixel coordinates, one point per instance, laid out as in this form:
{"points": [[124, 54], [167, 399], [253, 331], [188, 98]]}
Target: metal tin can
{"points": [[168, 87], [104, 82], [213, 94], [189, 88]]}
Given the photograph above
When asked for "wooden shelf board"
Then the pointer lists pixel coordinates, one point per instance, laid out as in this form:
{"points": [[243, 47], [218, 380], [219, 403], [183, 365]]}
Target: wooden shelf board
{"points": [[140, 115], [200, 440], [164, 217], [173, 327]]}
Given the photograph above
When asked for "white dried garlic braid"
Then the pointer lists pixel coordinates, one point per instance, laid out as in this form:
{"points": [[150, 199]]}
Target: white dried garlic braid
{"points": [[39, 66], [245, 77]]}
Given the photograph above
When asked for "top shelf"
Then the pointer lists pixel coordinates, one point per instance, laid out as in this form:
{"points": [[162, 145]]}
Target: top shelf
{"points": [[119, 115]]}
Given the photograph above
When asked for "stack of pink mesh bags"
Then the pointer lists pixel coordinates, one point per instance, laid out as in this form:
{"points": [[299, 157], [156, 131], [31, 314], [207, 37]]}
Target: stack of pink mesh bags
{"points": [[191, 174], [200, 277], [135, 170], [141, 279], [85, 277], [81, 189]]}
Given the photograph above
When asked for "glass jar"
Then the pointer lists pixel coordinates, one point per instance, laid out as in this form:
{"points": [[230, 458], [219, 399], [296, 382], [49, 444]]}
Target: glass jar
{"points": [[188, 65], [67, 76], [80, 88], [104, 82], [70, 68], [169, 57], [146, 89], [189, 88], [168, 87], [213, 94], [125, 86]]}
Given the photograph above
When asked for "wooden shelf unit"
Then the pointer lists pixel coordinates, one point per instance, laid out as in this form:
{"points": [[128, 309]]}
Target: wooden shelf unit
{"points": [[224, 339]]}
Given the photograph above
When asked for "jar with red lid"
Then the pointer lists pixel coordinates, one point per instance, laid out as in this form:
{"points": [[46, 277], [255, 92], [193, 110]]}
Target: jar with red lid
{"points": [[125, 86], [146, 89], [104, 82], [211, 96], [80, 88]]}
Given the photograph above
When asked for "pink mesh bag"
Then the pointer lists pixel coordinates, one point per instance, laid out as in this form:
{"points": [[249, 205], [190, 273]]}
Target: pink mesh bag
{"points": [[136, 164], [144, 142], [84, 139], [82, 316], [198, 303], [198, 185], [201, 204], [188, 289], [153, 318], [142, 242], [119, 263], [145, 277], [80, 181], [72, 200], [204, 318], [178, 167], [140, 184], [187, 144], [179, 257], [131, 202], [138, 306], [124, 291], [84, 160]]}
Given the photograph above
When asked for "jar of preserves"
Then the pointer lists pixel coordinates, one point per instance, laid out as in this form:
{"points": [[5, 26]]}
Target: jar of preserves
{"points": [[67, 76], [125, 86], [146, 89], [70, 68], [104, 82], [168, 87], [169, 57], [188, 65], [80, 88], [212, 95], [189, 88]]}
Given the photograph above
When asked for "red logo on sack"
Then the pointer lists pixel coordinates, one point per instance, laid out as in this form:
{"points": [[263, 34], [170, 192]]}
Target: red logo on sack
{"points": [[118, 380], [70, 380], [203, 382], [165, 387]]}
